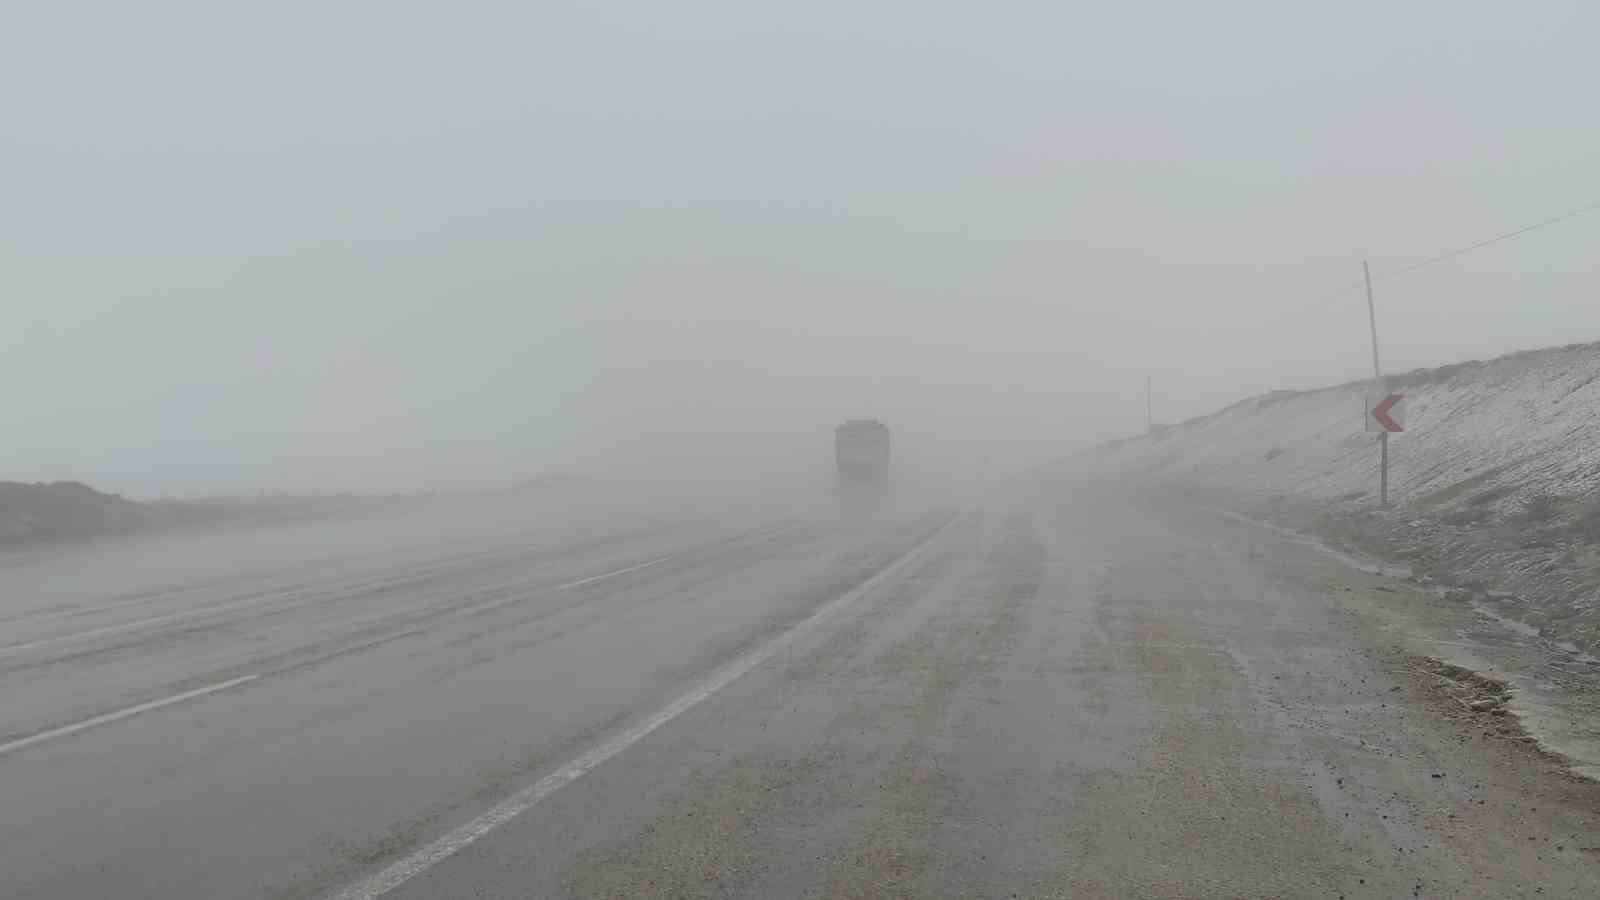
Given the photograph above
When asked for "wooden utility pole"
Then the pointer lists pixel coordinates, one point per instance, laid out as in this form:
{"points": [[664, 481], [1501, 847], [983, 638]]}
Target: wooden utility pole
{"points": [[1377, 380]]}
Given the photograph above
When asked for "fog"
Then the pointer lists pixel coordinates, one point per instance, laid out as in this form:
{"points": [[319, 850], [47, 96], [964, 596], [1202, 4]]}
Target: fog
{"points": [[379, 247]]}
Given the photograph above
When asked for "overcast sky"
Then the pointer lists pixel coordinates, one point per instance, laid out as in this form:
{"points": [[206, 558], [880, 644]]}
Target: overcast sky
{"points": [[374, 246]]}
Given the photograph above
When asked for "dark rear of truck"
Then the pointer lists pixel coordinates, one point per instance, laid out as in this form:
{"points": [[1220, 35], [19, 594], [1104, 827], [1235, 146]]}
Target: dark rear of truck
{"points": [[861, 451]]}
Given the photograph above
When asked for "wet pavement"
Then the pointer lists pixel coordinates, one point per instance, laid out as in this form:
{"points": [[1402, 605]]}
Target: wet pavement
{"points": [[1050, 693]]}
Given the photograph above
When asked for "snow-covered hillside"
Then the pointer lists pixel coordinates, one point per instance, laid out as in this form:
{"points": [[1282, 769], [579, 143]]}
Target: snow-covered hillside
{"points": [[1498, 433]]}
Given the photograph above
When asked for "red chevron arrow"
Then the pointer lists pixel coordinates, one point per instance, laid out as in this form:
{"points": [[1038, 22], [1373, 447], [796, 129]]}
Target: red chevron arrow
{"points": [[1381, 412]]}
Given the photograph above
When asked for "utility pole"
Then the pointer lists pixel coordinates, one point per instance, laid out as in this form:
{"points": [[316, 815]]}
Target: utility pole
{"points": [[1377, 379]]}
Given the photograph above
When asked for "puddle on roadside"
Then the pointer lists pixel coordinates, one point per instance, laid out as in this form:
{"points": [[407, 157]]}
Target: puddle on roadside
{"points": [[1508, 631], [1550, 711]]}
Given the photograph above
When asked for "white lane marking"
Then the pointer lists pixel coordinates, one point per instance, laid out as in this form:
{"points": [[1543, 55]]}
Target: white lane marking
{"points": [[211, 610], [121, 714], [593, 578], [458, 839]]}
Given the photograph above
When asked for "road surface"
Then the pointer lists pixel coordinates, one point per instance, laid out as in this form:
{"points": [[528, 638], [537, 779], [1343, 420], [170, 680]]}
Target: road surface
{"points": [[1050, 693]]}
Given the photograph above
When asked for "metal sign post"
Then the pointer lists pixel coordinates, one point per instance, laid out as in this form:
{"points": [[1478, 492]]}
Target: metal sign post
{"points": [[1383, 468], [1384, 411]]}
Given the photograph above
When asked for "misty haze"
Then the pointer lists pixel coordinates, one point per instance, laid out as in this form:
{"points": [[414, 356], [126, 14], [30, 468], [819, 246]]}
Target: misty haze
{"points": [[619, 449]]}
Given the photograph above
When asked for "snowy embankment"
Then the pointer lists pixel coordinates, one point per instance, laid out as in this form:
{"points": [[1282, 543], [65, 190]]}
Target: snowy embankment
{"points": [[1492, 487]]}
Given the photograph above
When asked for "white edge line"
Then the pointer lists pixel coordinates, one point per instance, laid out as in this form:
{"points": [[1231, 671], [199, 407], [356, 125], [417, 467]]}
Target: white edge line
{"points": [[604, 575], [121, 714], [457, 839]]}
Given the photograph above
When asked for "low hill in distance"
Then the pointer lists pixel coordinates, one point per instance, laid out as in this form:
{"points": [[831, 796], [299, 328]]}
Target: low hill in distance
{"points": [[71, 510]]}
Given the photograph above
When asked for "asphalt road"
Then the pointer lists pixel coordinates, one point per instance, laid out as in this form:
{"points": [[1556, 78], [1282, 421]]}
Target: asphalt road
{"points": [[1049, 693]]}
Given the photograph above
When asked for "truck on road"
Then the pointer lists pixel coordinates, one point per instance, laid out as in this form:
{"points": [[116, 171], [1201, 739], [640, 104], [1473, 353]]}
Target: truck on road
{"points": [[861, 450]]}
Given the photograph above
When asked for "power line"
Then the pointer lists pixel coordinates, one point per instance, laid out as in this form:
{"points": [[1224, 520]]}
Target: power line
{"points": [[1459, 251], [1494, 240]]}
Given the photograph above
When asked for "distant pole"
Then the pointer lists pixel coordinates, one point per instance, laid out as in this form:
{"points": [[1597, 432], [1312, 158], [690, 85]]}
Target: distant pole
{"points": [[1372, 320], [1149, 405], [1377, 379]]}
